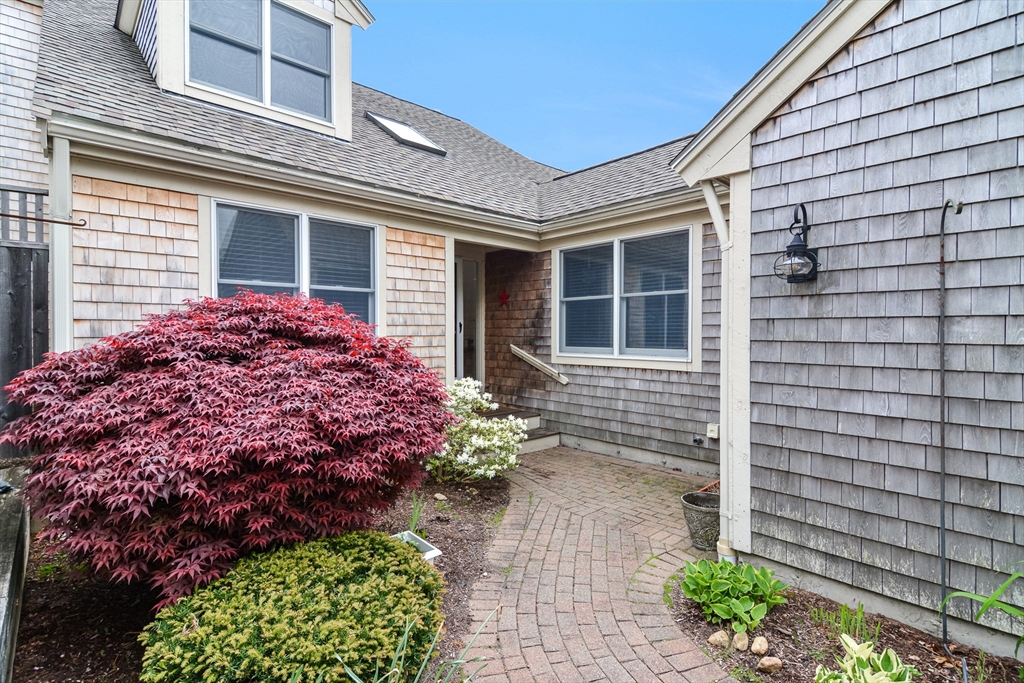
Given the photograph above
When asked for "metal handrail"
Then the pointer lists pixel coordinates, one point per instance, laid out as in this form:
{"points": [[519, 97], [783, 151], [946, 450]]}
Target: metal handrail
{"points": [[540, 365]]}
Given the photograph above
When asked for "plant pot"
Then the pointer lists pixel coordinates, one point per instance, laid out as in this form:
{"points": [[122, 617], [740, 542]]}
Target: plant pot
{"points": [[425, 547], [701, 512]]}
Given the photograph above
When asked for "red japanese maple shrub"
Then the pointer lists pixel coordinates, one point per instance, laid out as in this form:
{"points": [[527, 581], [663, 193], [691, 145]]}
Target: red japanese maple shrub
{"points": [[236, 425]]}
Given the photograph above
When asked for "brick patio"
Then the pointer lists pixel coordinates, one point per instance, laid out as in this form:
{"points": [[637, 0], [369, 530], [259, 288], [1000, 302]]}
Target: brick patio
{"points": [[578, 567]]}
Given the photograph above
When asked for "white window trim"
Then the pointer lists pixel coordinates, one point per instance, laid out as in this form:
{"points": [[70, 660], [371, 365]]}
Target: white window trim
{"points": [[265, 63], [302, 252], [688, 363]]}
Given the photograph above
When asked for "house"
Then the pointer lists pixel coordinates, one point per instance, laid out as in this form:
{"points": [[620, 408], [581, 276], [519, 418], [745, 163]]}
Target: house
{"points": [[207, 150]]}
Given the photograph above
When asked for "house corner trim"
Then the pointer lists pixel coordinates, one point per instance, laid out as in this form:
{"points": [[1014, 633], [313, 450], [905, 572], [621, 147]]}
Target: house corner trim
{"points": [[62, 318]]}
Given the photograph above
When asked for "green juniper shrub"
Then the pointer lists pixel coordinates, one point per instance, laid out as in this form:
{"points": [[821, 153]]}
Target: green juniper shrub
{"points": [[732, 593], [312, 608]]}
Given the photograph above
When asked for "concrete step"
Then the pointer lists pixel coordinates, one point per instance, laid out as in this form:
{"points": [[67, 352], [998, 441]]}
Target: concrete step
{"points": [[532, 417], [540, 439]]}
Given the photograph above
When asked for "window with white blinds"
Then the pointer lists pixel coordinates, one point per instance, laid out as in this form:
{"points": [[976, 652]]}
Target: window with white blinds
{"points": [[264, 51], [272, 252], [628, 297]]}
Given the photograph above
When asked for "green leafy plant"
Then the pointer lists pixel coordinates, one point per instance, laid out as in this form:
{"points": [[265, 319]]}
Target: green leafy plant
{"points": [[852, 623], [397, 671], [307, 610], [417, 511], [732, 593], [860, 664], [990, 601], [476, 447]]}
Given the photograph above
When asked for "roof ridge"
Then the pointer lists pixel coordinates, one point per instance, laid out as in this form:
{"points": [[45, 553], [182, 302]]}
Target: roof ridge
{"points": [[624, 156]]}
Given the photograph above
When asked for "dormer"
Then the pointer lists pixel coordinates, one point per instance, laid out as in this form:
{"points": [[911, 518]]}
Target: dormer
{"points": [[286, 60]]}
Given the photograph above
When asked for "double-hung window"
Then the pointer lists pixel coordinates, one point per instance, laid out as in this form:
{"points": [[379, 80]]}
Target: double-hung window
{"points": [[628, 297], [272, 252], [264, 51]]}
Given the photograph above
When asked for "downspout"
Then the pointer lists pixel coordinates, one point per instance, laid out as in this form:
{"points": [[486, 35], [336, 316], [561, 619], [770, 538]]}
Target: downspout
{"points": [[725, 549], [957, 208]]}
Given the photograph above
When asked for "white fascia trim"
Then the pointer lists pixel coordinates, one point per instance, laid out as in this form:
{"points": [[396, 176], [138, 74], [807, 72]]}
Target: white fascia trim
{"points": [[117, 145], [838, 22], [623, 215], [159, 153], [353, 12]]}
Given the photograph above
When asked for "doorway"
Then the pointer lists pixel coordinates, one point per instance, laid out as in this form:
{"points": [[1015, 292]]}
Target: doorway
{"points": [[468, 318]]}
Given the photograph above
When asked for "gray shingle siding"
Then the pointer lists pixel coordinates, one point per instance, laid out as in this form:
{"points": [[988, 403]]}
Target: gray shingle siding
{"points": [[927, 103], [145, 34]]}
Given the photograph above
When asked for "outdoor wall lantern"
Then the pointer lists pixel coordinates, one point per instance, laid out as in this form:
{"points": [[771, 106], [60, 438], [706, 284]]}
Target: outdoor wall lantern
{"points": [[799, 263]]}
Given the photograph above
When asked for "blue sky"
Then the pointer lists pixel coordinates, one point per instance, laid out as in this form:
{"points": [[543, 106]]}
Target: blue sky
{"points": [[572, 84]]}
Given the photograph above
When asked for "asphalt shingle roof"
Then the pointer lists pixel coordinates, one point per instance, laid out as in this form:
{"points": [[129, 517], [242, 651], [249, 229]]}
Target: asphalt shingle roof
{"points": [[89, 69]]}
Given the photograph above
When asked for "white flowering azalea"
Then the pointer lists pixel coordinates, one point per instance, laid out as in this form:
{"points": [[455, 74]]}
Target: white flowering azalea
{"points": [[476, 447]]}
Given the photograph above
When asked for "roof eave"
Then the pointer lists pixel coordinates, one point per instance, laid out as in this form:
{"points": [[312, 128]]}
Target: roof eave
{"points": [[803, 56], [354, 12]]}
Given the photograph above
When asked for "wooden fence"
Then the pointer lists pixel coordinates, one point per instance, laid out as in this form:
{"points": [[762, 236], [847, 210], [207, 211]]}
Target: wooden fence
{"points": [[24, 291]]}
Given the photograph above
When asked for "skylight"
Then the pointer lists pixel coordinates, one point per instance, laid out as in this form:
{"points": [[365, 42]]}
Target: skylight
{"points": [[405, 134]]}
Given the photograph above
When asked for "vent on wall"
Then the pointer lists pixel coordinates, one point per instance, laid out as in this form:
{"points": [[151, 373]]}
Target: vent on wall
{"points": [[405, 134]]}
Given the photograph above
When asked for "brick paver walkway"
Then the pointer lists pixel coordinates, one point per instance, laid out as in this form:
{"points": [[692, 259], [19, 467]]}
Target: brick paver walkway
{"points": [[578, 567]]}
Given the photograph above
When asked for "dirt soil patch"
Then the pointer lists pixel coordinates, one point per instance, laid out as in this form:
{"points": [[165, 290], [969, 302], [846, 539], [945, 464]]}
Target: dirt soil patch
{"points": [[802, 645], [76, 627]]}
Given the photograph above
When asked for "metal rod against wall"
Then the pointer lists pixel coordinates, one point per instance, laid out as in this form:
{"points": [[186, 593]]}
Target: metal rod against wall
{"points": [[958, 207], [78, 224]]}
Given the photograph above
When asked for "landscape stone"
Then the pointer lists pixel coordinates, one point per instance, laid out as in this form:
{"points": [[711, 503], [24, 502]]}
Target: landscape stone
{"points": [[740, 641], [769, 665], [760, 646], [719, 639]]}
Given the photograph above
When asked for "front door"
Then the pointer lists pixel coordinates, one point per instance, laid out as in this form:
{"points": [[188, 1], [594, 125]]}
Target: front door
{"points": [[467, 281]]}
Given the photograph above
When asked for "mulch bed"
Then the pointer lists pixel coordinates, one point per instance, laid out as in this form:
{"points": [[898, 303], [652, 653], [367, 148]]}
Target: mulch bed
{"points": [[802, 644], [76, 627]]}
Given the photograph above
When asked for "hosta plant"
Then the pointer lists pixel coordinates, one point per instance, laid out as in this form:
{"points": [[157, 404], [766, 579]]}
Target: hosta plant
{"points": [[235, 425], [860, 664], [737, 594], [476, 447], [301, 614]]}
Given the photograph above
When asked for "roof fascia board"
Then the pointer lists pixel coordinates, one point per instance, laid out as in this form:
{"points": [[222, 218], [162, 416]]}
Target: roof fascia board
{"points": [[353, 12], [127, 16], [624, 215], [103, 142], [99, 142], [816, 43]]}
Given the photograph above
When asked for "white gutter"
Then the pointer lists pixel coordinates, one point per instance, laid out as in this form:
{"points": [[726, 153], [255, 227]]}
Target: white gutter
{"points": [[725, 455], [116, 145]]}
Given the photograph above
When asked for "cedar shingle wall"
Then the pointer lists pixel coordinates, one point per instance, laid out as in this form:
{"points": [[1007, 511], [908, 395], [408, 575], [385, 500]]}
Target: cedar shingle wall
{"points": [[137, 254], [22, 162], [925, 104], [415, 293], [655, 410]]}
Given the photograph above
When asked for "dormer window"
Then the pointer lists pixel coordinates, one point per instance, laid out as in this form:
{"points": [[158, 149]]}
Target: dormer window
{"points": [[229, 50]]}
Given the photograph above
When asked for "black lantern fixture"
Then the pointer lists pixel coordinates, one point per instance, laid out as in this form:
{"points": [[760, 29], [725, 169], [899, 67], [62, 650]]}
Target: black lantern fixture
{"points": [[799, 263]]}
